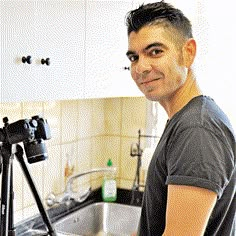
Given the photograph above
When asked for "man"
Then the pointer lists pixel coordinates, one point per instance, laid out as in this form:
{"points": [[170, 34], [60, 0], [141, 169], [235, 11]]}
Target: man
{"points": [[190, 186]]}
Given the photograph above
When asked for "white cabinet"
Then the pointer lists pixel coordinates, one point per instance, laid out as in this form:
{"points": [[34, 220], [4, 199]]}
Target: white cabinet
{"points": [[106, 46], [42, 29], [17, 41], [85, 41]]}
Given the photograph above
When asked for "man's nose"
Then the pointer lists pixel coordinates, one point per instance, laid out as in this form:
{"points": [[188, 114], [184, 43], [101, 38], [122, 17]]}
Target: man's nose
{"points": [[143, 66]]}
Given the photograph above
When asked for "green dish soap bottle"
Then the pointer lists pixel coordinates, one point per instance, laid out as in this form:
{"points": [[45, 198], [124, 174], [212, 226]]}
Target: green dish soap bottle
{"points": [[109, 188]]}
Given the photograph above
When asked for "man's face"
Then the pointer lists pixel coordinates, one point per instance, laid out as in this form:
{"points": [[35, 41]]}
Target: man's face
{"points": [[157, 64]]}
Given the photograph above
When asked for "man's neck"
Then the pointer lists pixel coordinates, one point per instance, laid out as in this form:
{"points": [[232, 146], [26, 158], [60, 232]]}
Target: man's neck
{"points": [[182, 96]]}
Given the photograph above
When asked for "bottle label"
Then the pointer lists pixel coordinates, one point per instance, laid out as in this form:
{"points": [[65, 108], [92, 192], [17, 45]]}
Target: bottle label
{"points": [[110, 188]]}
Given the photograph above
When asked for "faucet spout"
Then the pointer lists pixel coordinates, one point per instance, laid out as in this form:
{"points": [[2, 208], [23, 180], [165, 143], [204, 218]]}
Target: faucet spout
{"points": [[68, 194], [96, 170]]}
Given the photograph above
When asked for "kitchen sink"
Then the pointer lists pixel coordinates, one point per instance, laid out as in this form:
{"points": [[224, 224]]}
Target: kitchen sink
{"points": [[101, 219]]}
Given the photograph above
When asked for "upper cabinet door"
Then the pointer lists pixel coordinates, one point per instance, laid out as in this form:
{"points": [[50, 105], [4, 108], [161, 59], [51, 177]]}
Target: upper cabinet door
{"points": [[106, 46], [48, 30], [17, 41], [60, 27]]}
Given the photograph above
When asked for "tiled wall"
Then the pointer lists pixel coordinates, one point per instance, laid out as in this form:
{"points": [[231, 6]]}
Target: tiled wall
{"points": [[90, 132]]}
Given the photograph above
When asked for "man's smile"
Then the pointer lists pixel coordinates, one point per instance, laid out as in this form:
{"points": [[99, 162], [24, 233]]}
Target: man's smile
{"points": [[148, 82]]}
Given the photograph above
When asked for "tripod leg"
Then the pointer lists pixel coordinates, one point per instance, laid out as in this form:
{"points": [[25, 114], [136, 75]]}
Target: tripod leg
{"points": [[19, 155], [11, 227], [5, 197]]}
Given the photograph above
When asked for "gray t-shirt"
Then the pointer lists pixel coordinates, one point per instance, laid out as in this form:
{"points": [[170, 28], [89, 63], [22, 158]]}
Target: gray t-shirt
{"points": [[197, 148]]}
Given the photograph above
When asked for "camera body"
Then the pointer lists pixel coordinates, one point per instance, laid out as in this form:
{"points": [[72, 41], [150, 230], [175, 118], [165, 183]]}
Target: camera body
{"points": [[32, 132]]}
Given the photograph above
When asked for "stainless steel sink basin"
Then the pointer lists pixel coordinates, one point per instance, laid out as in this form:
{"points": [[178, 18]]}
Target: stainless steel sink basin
{"points": [[100, 219]]}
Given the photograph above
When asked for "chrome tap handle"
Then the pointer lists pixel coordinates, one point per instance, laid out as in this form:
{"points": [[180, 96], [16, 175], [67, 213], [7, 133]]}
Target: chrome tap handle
{"points": [[52, 199], [82, 197], [68, 194]]}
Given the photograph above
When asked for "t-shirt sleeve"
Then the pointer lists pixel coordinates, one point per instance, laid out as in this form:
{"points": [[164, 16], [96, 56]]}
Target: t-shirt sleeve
{"points": [[198, 157]]}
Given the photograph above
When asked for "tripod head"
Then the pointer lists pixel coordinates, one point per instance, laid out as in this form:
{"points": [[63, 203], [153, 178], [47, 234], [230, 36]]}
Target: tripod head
{"points": [[32, 132]]}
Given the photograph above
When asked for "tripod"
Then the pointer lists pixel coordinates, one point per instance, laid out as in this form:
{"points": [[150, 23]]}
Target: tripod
{"points": [[8, 151]]}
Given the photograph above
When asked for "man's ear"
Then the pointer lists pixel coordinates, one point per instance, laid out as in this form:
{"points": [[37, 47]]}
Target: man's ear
{"points": [[189, 52]]}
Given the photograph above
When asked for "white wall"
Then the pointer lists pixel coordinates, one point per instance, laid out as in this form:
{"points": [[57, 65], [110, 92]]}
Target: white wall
{"points": [[214, 30], [215, 65]]}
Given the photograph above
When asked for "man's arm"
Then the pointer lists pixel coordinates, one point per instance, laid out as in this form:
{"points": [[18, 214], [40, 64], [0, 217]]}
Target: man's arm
{"points": [[188, 210]]}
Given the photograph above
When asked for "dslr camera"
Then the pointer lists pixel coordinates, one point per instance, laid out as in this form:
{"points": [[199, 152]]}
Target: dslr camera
{"points": [[32, 132]]}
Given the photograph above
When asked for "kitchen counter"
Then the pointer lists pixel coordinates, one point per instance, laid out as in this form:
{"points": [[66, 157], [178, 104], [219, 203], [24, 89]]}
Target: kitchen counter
{"points": [[58, 211]]}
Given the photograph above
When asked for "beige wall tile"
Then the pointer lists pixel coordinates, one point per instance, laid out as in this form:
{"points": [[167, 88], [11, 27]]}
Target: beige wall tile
{"points": [[84, 159], [84, 156], [126, 184], [133, 115], [98, 159], [84, 119], [111, 150], [69, 118], [37, 172], [53, 176], [29, 212], [97, 182], [98, 125], [128, 164], [31, 109], [113, 116], [52, 112], [11, 110]]}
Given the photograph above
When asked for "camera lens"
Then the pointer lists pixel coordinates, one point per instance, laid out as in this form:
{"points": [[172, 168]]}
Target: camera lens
{"points": [[35, 151]]}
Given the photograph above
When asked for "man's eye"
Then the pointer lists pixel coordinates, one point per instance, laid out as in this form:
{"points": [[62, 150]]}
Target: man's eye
{"points": [[133, 58], [155, 52]]}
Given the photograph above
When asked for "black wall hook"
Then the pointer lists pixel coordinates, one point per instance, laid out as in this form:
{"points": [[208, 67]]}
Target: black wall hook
{"points": [[27, 59], [46, 61]]}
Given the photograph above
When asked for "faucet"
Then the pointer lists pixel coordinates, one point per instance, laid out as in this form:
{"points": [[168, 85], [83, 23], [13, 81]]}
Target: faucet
{"points": [[68, 194]]}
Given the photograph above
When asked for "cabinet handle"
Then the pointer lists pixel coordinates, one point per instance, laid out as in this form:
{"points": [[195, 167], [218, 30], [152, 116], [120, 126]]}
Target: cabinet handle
{"points": [[27, 59], [46, 61], [126, 68]]}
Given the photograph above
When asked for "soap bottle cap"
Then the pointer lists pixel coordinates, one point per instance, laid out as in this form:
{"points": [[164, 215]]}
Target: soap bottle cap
{"points": [[109, 163]]}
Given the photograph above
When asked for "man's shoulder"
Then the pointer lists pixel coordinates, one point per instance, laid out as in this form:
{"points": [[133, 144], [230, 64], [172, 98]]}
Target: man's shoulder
{"points": [[202, 112]]}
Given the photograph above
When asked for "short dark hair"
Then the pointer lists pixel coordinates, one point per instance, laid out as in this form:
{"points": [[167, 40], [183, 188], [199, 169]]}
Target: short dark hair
{"points": [[158, 12]]}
